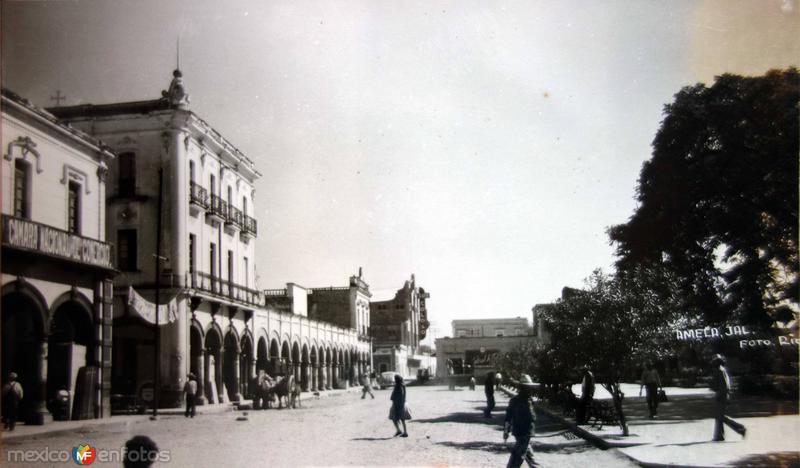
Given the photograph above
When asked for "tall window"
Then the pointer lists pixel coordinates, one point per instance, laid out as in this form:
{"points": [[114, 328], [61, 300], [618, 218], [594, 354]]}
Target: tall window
{"points": [[126, 180], [212, 257], [192, 244], [244, 206], [246, 268], [127, 251], [74, 208], [230, 196], [191, 171], [230, 267], [21, 189], [213, 182]]}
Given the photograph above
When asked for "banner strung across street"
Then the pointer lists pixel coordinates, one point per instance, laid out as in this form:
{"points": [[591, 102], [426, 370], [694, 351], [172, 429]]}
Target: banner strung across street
{"points": [[146, 310]]}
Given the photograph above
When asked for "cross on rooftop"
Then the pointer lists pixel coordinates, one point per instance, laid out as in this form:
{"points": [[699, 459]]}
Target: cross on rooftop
{"points": [[58, 97]]}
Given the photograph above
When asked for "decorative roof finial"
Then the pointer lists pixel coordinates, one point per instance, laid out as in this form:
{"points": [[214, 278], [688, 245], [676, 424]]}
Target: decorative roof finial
{"points": [[177, 95]]}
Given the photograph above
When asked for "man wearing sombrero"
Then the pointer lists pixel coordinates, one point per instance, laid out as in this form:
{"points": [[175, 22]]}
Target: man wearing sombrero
{"points": [[520, 420], [190, 389]]}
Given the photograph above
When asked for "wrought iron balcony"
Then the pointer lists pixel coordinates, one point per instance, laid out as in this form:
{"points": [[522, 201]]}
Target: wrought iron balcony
{"points": [[249, 227], [234, 218], [198, 196], [218, 209], [226, 289]]}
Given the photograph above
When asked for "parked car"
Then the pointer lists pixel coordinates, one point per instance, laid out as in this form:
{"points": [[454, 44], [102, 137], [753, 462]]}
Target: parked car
{"points": [[386, 379]]}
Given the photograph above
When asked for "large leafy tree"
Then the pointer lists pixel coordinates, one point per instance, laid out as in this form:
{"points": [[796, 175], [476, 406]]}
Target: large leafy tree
{"points": [[613, 325], [718, 200]]}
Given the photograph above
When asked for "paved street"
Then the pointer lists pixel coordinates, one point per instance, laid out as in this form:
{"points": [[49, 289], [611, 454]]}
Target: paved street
{"points": [[447, 429]]}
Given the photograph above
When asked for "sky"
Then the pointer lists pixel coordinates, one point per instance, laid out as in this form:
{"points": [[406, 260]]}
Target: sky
{"points": [[484, 146]]}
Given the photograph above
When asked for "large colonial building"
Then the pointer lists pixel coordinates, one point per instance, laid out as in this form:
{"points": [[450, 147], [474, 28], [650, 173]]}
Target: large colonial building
{"points": [[212, 320], [398, 325], [56, 266]]}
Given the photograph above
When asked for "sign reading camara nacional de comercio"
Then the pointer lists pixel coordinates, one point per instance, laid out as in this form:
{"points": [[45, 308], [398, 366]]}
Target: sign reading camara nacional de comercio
{"points": [[27, 235]]}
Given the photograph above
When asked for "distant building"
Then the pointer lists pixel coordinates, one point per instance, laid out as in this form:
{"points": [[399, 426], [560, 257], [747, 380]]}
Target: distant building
{"points": [[491, 327], [397, 326], [56, 265], [475, 341]]}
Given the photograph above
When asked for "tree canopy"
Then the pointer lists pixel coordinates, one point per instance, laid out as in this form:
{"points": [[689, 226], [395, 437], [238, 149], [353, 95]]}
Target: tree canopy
{"points": [[718, 200], [613, 325]]}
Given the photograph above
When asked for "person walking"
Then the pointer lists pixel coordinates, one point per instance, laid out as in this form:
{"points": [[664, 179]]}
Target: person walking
{"points": [[587, 394], [520, 420], [651, 382], [488, 388], [398, 412], [12, 394], [366, 388], [190, 389], [721, 385]]}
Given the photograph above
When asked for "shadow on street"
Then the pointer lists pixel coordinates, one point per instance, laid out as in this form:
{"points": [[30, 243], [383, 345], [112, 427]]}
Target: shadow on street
{"points": [[779, 459], [496, 447], [462, 417], [687, 408]]}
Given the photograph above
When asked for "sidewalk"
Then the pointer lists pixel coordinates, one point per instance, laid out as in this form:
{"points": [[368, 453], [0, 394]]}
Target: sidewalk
{"points": [[53, 428], [681, 434]]}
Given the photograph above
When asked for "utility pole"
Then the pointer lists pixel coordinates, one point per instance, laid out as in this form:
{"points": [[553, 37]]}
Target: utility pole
{"points": [[157, 355]]}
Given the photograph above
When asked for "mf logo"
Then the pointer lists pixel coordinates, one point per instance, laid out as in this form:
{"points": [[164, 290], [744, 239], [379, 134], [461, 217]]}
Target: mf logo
{"points": [[84, 454]]}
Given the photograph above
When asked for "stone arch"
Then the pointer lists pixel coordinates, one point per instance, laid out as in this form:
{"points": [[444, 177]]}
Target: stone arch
{"points": [[247, 363], [230, 364], [71, 346], [197, 357], [296, 363], [24, 334], [214, 388], [305, 375], [315, 367], [262, 355], [286, 356]]}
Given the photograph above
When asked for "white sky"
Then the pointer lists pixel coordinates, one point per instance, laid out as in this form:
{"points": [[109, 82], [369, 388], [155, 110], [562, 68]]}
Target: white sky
{"points": [[484, 146]]}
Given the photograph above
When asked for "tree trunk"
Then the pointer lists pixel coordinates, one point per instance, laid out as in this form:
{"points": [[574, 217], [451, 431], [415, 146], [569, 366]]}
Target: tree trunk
{"points": [[616, 396]]}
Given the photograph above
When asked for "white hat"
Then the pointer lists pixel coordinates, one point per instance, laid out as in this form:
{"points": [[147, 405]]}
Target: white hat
{"points": [[525, 380]]}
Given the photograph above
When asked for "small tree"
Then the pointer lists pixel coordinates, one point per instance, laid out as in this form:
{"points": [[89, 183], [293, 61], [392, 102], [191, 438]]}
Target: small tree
{"points": [[612, 325]]}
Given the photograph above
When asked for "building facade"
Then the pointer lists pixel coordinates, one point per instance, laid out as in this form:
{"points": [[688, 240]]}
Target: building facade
{"points": [[474, 341], [491, 327], [398, 326], [56, 264], [212, 319]]}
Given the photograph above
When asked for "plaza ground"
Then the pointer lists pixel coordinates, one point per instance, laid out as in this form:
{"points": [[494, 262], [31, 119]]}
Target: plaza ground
{"points": [[447, 430]]}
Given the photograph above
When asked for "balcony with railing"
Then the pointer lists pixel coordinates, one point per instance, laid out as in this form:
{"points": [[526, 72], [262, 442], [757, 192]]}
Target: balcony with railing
{"points": [[249, 227], [234, 218], [198, 197], [225, 289], [218, 209]]}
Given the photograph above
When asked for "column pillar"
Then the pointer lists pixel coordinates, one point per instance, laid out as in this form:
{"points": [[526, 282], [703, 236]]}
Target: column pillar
{"points": [[200, 365], [220, 378], [314, 377], [237, 356], [40, 414]]}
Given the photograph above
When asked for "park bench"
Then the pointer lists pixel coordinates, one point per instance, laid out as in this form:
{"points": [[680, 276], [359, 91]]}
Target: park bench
{"points": [[601, 413]]}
